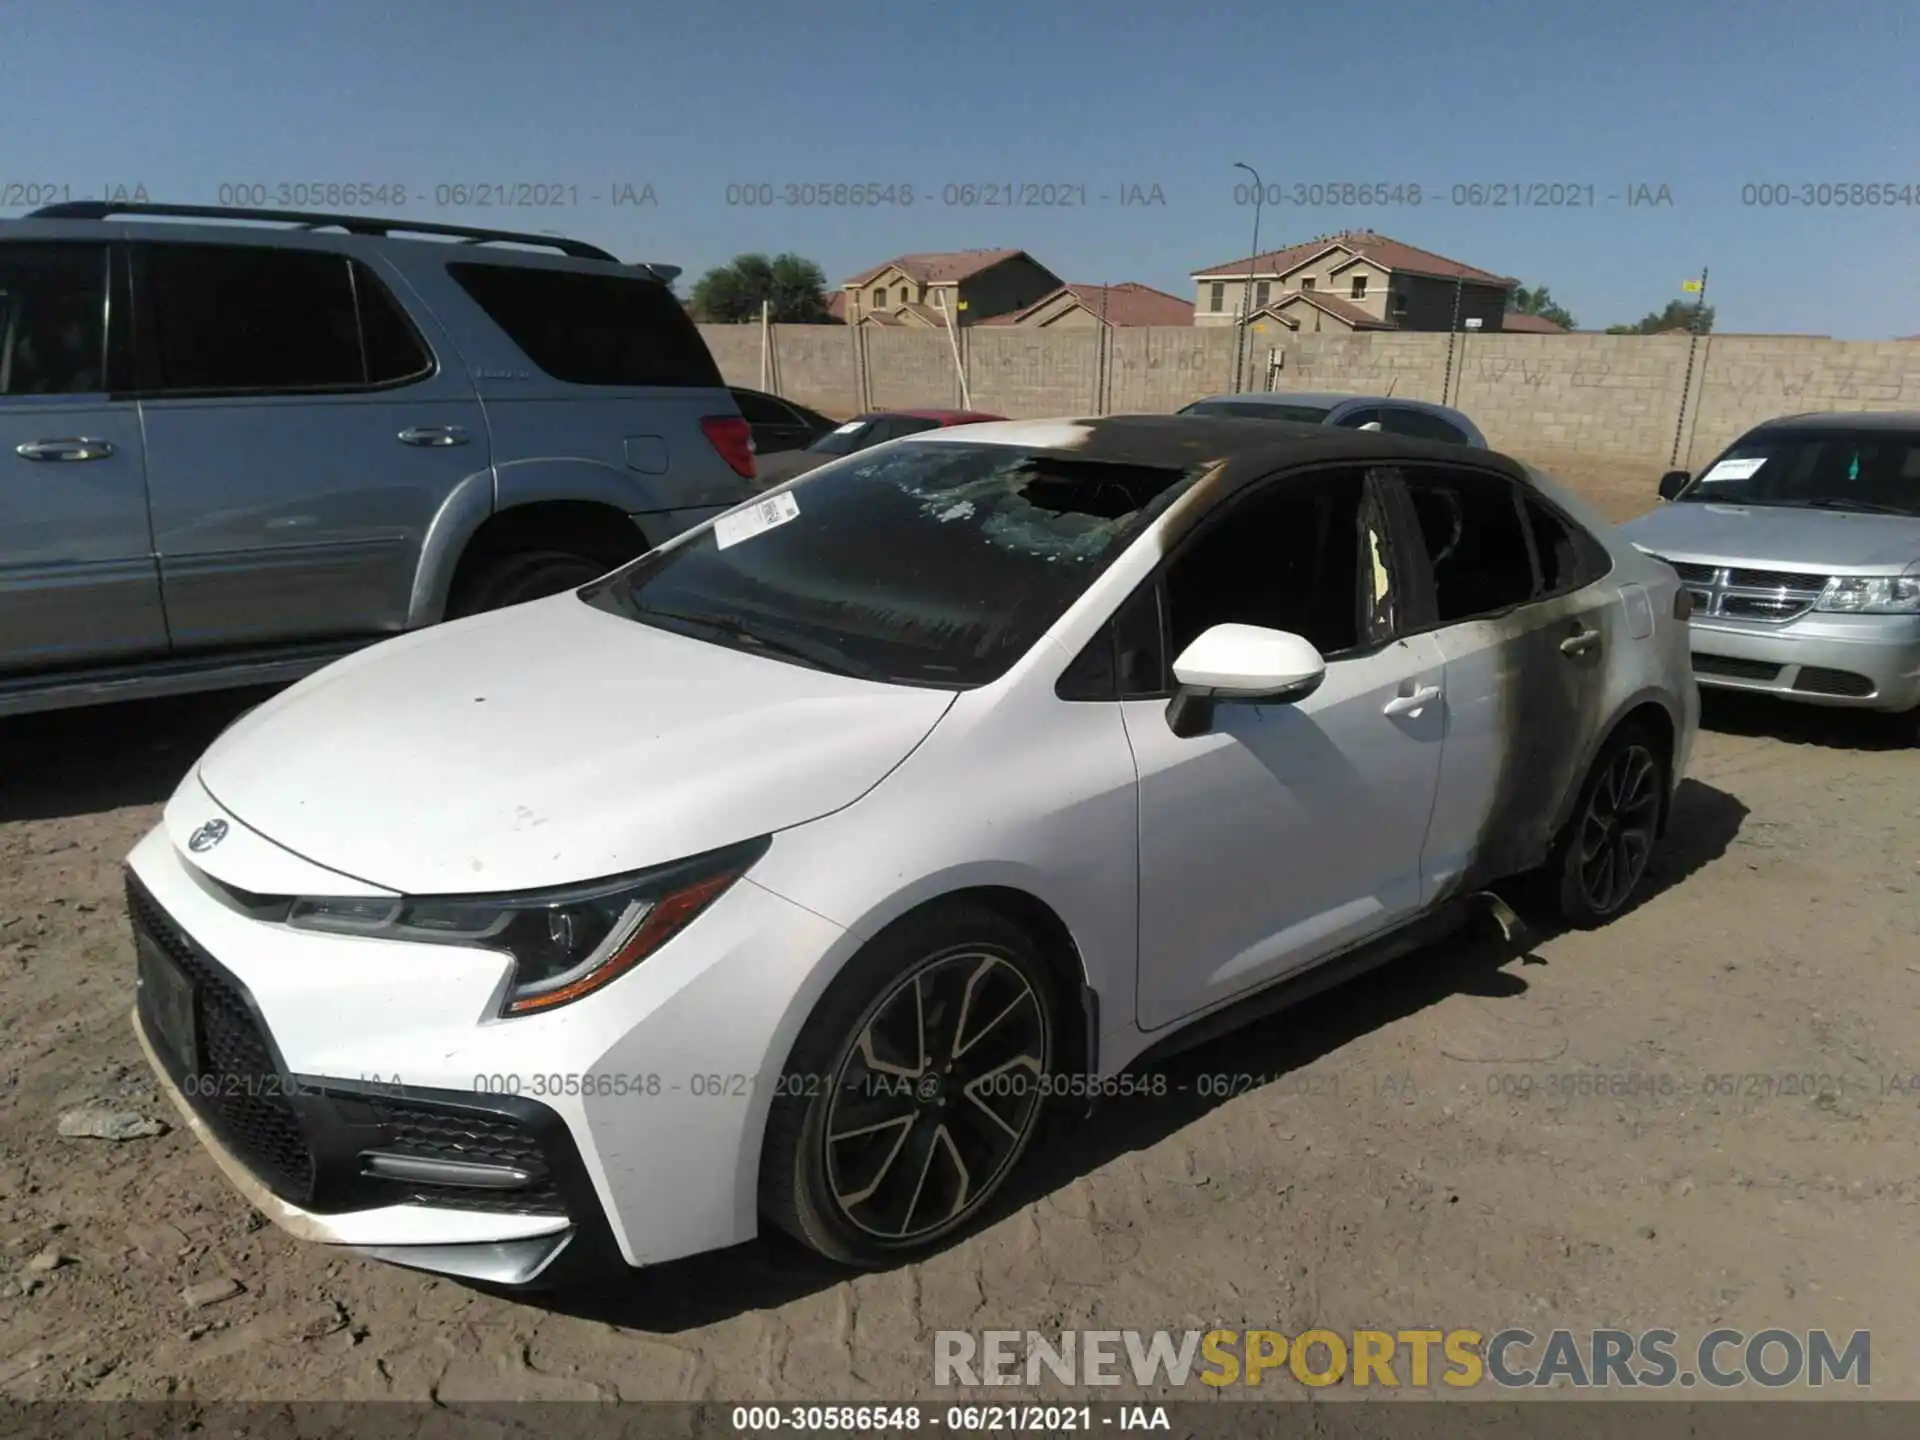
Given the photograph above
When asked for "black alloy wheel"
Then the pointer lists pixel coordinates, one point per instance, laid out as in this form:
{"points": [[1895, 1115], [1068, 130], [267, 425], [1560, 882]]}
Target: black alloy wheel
{"points": [[932, 1055]]}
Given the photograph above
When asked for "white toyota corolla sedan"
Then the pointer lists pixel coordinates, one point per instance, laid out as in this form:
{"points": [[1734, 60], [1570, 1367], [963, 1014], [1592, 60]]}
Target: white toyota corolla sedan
{"points": [[780, 876]]}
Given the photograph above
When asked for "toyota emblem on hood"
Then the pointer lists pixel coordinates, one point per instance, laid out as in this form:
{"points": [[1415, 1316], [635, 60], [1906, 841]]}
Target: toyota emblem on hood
{"points": [[207, 836]]}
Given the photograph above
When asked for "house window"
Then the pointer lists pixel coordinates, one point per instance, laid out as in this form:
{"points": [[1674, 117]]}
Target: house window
{"points": [[905, 294], [1396, 303], [1217, 301], [1359, 287], [880, 298], [1260, 293], [939, 299], [1306, 282]]}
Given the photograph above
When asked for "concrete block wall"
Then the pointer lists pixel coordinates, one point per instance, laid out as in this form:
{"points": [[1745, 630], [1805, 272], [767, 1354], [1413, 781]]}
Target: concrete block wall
{"points": [[1610, 397]]}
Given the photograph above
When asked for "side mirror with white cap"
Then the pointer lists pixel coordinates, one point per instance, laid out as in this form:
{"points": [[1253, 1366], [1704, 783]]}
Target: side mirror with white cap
{"points": [[1240, 663]]}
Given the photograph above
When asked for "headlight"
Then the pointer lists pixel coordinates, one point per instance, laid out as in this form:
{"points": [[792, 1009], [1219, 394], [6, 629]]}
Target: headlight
{"points": [[1872, 595], [566, 943]]}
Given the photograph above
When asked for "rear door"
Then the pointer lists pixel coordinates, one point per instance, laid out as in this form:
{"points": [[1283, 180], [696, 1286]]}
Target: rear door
{"points": [[1514, 593], [301, 435], [622, 385], [78, 582]]}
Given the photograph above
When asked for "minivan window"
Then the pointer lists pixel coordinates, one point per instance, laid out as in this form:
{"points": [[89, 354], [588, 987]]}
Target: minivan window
{"points": [[587, 328], [224, 318], [1260, 410], [1867, 471], [53, 331], [925, 563], [1420, 425]]}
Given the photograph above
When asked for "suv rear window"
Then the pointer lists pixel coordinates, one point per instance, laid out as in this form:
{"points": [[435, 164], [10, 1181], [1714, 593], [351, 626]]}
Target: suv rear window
{"points": [[592, 329]]}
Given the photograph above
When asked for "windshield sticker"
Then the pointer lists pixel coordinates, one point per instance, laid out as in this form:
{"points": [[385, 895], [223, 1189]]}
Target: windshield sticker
{"points": [[1732, 470], [761, 516], [850, 427]]}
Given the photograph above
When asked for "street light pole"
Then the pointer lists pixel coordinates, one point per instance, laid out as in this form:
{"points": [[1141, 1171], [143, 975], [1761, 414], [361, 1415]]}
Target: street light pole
{"points": [[1246, 311]]}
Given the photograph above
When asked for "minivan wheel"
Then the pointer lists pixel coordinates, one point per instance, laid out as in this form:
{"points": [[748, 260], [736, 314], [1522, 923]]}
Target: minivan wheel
{"points": [[1602, 855], [914, 1089], [521, 576]]}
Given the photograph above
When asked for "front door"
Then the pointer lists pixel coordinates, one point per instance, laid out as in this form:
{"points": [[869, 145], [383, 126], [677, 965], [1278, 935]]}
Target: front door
{"points": [[300, 439], [1287, 832], [78, 583]]}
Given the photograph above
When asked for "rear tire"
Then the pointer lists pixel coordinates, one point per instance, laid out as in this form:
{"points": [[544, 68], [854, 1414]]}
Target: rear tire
{"points": [[1601, 857], [523, 575], [878, 1151]]}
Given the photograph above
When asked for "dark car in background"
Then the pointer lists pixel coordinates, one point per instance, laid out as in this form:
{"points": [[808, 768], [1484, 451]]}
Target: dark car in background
{"points": [[779, 424], [876, 427], [1414, 419]]}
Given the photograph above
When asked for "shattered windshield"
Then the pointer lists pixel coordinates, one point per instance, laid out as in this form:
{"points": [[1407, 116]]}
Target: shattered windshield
{"points": [[922, 564]]}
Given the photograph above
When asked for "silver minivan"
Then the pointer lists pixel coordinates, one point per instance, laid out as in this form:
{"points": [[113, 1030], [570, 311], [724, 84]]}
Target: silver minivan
{"points": [[236, 444], [1800, 545]]}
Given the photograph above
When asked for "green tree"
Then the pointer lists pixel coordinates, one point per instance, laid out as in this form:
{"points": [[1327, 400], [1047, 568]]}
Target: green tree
{"points": [[1524, 301], [1679, 315], [793, 285]]}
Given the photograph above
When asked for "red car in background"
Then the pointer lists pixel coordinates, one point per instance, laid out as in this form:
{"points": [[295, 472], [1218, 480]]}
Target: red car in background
{"points": [[873, 428]]}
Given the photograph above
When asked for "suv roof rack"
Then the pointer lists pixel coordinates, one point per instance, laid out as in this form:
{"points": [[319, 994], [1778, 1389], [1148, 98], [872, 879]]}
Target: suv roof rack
{"points": [[353, 224]]}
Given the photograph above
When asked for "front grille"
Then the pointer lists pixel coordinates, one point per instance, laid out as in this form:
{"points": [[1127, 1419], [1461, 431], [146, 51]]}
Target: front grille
{"points": [[476, 1136], [1818, 680], [1731, 668], [1777, 580], [233, 1082], [1774, 596], [1764, 607], [305, 1140]]}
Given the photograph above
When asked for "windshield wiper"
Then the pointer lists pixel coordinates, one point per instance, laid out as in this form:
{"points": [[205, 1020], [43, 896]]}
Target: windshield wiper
{"points": [[812, 654], [1837, 502]]}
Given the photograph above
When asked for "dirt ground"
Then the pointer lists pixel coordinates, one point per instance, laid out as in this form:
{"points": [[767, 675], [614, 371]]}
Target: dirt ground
{"points": [[1410, 1157]]}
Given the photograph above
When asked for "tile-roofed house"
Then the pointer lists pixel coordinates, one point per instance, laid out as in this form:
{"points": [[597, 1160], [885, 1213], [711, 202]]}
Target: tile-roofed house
{"points": [[1396, 285], [1128, 303], [1311, 311], [1531, 325], [924, 289]]}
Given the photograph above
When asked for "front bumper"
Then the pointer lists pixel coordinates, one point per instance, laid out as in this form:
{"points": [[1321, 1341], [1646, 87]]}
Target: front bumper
{"points": [[622, 1131], [1868, 662], [526, 1261]]}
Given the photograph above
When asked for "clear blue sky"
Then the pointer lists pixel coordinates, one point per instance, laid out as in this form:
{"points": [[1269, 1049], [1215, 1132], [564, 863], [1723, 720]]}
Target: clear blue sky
{"points": [[1704, 98]]}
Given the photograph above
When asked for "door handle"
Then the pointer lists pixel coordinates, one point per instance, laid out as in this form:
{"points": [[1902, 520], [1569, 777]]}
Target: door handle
{"points": [[76, 448], [1581, 643], [1412, 704], [436, 435]]}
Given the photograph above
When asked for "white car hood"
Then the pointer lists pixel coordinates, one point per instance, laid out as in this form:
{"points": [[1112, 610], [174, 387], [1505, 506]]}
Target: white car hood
{"points": [[548, 744]]}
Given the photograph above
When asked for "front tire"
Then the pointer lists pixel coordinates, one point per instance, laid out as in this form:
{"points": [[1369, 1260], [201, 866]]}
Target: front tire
{"points": [[524, 575], [1601, 857], [914, 1089]]}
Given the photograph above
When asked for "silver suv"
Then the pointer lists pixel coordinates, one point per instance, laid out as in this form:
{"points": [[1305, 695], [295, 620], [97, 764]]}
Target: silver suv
{"points": [[236, 444], [1801, 548]]}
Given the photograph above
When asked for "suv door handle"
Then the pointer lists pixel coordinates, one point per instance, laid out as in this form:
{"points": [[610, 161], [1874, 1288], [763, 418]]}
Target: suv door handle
{"points": [[1581, 643], [434, 435], [1412, 704], [77, 448]]}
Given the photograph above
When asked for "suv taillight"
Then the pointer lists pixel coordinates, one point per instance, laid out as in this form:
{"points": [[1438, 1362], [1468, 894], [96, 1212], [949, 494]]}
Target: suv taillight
{"points": [[730, 436]]}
